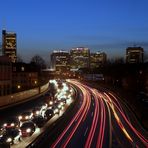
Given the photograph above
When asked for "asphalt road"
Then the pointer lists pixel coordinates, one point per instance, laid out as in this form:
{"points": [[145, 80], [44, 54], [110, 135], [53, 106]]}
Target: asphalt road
{"points": [[97, 118], [100, 119], [28, 106]]}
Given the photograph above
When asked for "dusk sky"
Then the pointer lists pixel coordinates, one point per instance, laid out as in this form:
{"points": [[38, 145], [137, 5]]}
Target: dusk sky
{"points": [[101, 25]]}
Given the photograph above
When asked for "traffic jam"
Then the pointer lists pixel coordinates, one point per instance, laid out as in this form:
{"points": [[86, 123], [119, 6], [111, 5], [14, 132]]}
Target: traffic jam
{"points": [[15, 129]]}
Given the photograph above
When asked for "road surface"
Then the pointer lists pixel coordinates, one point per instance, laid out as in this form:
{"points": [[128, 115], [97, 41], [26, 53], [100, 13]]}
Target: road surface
{"points": [[99, 120]]}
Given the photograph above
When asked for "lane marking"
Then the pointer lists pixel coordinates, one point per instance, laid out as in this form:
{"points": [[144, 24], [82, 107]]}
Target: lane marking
{"points": [[93, 104], [92, 113], [85, 131]]}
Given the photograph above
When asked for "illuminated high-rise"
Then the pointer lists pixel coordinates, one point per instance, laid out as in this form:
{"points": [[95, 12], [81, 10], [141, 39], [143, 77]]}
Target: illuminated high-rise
{"points": [[60, 61], [134, 55], [97, 59], [80, 58], [9, 47]]}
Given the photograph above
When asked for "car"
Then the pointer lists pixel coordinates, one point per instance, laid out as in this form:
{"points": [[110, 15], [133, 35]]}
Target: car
{"points": [[56, 110], [58, 105], [39, 121], [49, 113], [50, 104], [43, 105], [1, 131], [37, 111], [11, 122], [27, 128], [10, 136], [63, 100], [25, 116]]}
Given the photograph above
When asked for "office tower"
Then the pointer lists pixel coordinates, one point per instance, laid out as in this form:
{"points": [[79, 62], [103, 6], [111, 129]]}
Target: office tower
{"points": [[97, 59], [134, 55], [60, 61], [80, 58], [9, 47]]}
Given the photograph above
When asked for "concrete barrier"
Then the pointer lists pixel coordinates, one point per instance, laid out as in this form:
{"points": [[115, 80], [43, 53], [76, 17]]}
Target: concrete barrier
{"points": [[44, 88], [21, 96]]}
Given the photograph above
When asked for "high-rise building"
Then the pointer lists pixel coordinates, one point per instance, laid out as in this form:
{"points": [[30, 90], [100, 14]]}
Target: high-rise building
{"points": [[97, 59], [60, 61], [9, 47], [134, 55], [80, 58]]}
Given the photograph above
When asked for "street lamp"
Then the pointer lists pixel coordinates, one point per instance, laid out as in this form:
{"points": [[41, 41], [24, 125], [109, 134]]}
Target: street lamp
{"points": [[18, 86]]}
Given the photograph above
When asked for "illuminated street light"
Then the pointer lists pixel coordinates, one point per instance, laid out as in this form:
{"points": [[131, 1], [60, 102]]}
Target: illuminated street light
{"points": [[18, 86]]}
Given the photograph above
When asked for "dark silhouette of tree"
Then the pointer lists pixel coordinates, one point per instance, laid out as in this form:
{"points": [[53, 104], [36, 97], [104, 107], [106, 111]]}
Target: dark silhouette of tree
{"points": [[39, 61], [119, 60]]}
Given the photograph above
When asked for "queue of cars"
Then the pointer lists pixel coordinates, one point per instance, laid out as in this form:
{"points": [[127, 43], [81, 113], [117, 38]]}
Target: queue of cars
{"points": [[15, 128], [25, 124]]}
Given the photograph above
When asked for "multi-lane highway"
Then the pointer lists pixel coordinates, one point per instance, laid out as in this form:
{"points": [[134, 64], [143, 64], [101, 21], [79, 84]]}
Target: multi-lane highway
{"points": [[38, 115], [100, 120]]}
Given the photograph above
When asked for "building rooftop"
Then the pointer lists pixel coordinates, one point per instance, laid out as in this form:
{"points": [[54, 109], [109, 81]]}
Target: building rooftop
{"points": [[60, 51]]}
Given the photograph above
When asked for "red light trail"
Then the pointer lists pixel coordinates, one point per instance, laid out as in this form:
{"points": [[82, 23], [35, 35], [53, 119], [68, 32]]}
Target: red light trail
{"points": [[107, 111]]}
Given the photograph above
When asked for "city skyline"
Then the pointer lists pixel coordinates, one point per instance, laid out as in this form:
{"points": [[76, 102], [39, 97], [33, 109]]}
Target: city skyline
{"points": [[109, 26]]}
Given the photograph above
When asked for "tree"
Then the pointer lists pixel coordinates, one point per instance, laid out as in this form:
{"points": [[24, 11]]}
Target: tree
{"points": [[39, 61]]}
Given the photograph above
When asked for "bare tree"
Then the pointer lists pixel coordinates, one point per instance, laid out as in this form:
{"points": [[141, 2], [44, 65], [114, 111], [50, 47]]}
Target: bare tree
{"points": [[39, 61]]}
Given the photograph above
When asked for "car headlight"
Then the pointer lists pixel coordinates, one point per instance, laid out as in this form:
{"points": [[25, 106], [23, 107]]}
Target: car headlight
{"points": [[20, 117], [12, 124], [50, 102], [5, 124], [56, 110], [28, 130], [59, 106], [44, 107], [37, 112], [27, 117], [9, 140]]}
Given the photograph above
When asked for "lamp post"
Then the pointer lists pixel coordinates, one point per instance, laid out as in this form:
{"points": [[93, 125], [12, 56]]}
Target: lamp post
{"points": [[18, 87], [35, 82]]}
